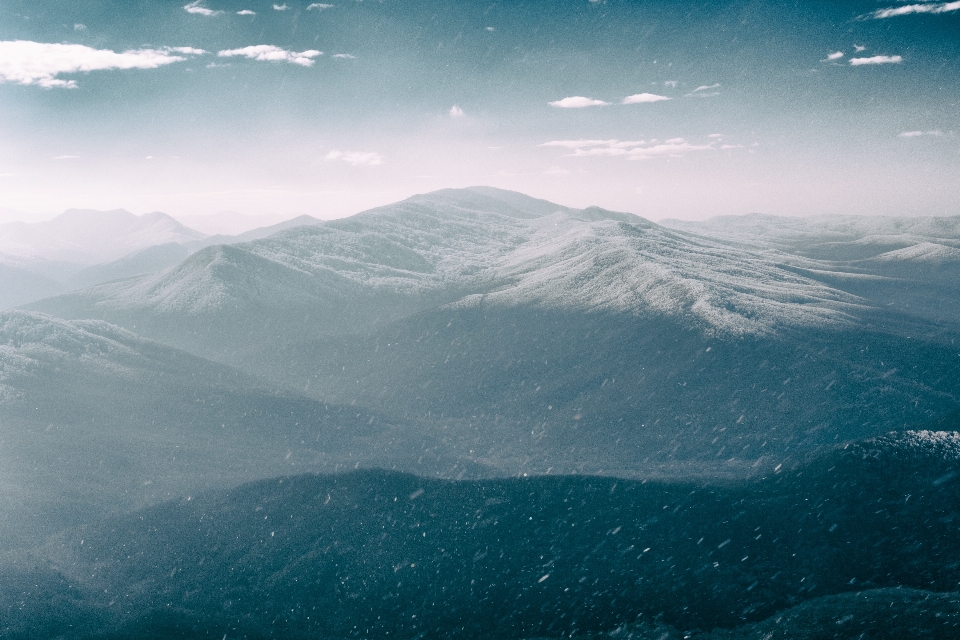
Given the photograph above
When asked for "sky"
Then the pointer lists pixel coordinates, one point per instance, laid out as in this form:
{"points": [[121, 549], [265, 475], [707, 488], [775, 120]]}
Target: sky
{"points": [[663, 109]]}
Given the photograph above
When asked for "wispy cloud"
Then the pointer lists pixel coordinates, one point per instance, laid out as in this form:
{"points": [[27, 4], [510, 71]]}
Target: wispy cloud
{"points": [[195, 8], [640, 98], [836, 55], [704, 91], [631, 150], [79, 27], [859, 47], [39, 63], [356, 158], [270, 53], [908, 9], [319, 6], [344, 56], [456, 112], [917, 134], [246, 12], [578, 102], [857, 62], [280, 7], [670, 83]]}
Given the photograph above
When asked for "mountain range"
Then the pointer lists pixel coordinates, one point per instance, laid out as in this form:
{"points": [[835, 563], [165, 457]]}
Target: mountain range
{"points": [[552, 338]]}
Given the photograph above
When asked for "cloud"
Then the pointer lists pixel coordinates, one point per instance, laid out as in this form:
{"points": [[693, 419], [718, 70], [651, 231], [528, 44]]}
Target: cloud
{"points": [[344, 56], [578, 102], [836, 55], [670, 83], [280, 7], [66, 157], [924, 7], [319, 6], [631, 149], [39, 63], [356, 158], [917, 134], [246, 12], [859, 47], [491, 29], [270, 53], [79, 27], [704, 91], [856, 62], [195, 8], [639, 98], [456, 112]]}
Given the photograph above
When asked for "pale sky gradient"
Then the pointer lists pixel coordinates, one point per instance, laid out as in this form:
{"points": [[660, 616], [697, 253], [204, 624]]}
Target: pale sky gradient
{"points": [[663, 109]]}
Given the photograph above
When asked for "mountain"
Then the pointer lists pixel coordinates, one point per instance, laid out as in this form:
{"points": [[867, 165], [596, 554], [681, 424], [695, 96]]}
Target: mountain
{"points": [[905, 264], [553, 338], [87, 236], [862, 540], [95, 420], [150, 260]]}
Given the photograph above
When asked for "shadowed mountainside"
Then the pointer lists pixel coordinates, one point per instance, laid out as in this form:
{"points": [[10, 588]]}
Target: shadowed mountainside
{"points": [[378, 553]]}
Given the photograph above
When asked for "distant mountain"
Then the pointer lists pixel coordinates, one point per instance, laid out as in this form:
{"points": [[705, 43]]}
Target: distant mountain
{"points": [[87, 236], [862, 539], [95, 420], [553, 338], [228, 223], [256, 234], [20, 286], [150, 260]]}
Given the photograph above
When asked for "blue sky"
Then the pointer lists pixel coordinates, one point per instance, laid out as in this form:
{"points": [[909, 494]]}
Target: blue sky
{"points": [[664, 109]]}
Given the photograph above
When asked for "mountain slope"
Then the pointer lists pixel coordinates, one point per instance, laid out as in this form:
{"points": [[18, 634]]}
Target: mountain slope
{"points": [[95, 420], [377, 554]]}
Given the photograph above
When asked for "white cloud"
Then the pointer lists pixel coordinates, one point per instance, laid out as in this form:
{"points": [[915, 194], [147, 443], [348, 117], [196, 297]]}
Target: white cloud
{"points": [[704, 91], [356, 158], [319, 6], [491, 29], [631, 149], [856, 62], [917, 134], [639, 98], [670, 83], [715, 135], [39, 63], [246, 12], [924, 7], [456, 112], [270, 53], [190, 51], [79, 27], [859, 47], [344, 56], [195, 8], [280, 7], [836, 55], [578, 102]]}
